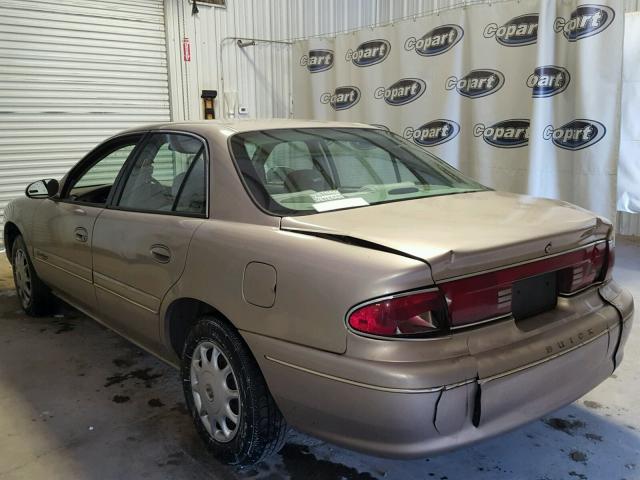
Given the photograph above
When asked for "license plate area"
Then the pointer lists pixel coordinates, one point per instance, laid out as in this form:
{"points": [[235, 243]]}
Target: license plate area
{"points": [[534, 295]]}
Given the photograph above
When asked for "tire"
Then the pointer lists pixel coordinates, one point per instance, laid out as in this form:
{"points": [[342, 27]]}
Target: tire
{"points": [[35, 297], [245, 424]]}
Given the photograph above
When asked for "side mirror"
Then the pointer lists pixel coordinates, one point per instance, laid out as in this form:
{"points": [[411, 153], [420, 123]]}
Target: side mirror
{"points": [[43, 188]]}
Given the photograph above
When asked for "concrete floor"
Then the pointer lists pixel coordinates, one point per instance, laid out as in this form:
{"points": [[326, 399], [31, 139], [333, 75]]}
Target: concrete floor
{"points": [[78, 402]]}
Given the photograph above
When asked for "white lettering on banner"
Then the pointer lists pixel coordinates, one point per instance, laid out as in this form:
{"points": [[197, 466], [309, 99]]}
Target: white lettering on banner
{"points": [[393, 93], [471, 83], [578, 23], [567, 134], [555, 81], [428, 42], [507, 31], [441, 131], [347, 97], [365, 53]]}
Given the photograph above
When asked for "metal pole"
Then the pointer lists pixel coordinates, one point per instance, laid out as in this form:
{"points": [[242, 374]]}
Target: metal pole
{"points": [[241, 43]]}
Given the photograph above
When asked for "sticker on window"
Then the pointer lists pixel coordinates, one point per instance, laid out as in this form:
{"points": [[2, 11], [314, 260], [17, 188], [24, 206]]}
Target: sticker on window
{"points": [[326, 196], [338, 204]]}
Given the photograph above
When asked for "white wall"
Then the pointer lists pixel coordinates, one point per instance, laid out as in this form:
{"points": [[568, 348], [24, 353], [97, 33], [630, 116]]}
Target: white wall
{"points": [[260, 74]]}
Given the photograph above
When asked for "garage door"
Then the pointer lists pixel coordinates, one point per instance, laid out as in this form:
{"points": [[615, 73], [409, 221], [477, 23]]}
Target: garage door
{"points": [[73, 72]]}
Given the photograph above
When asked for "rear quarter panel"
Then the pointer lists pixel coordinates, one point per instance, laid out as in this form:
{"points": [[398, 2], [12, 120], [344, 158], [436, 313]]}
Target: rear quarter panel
{"points": [[318, 280]]}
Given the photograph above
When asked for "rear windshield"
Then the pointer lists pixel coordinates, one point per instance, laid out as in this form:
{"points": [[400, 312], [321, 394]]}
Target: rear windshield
{"points": [[308, 170]]}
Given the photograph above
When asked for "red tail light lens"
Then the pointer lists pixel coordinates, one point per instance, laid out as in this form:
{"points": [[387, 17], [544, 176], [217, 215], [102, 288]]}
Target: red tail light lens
{"points": [[486, 296], [478, 298], [595, 266], [403, 315]]}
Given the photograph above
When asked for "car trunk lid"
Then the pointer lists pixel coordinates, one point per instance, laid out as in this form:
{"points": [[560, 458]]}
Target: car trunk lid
{"points": [[462, 234]]}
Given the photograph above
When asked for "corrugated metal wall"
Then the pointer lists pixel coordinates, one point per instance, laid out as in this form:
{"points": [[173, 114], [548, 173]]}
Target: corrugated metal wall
{"points": [[259, 74], [71, 74]]}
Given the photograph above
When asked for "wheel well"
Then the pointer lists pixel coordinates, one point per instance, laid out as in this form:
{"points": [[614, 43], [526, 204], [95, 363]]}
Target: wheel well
{"points": [[182, 315], [11, 232]]}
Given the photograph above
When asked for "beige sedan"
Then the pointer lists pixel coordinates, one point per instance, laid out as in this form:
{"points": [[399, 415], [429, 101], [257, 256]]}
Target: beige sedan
{"points": [[329, 276]]}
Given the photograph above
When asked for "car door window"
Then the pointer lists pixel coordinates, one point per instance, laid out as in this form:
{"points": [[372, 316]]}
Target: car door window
{"points": [[167, 175], [94, 183]]}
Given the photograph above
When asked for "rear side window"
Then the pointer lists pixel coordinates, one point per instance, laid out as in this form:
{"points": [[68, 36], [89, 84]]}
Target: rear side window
{"points": [[169, 175]]}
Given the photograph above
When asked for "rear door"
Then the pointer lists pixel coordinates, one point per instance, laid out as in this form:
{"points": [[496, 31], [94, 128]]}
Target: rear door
{"points": [[141, 241], [63, 227]]}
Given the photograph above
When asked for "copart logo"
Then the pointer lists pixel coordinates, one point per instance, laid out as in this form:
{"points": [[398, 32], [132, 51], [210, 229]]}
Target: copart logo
{"points": [[548, 80], [477, 83], [517, 32], [404, 91], [342, 97], [512, 133], [585, 21], [435, 132], [575, 135], [317, 60], [369, 53], [436, 42]]}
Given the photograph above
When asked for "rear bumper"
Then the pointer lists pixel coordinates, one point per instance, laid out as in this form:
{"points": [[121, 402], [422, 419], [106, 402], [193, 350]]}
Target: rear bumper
{"points": [[413, 400]]}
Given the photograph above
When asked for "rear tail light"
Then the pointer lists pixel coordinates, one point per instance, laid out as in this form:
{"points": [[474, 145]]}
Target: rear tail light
{"points": [[594, 267], [410, 314], [481, 297]]}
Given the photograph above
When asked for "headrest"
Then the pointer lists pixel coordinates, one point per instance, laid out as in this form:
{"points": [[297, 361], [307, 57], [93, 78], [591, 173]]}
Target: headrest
{"points": [[184, 144], [310, 179]]}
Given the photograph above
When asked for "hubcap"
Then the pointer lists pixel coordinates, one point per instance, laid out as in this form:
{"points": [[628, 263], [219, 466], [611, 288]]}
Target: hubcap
{"points": [[23, 277], [215, 392]]}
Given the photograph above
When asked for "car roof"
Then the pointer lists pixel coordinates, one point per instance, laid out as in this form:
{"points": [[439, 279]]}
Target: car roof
{"points": [[247, 125]]}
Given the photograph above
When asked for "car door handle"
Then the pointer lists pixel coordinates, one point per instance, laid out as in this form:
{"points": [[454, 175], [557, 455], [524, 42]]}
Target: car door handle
{"points": [[160, 253], [81, 234]]}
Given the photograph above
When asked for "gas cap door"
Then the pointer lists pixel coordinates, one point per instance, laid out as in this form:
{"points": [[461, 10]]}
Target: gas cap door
{"points": [[259, 284]]}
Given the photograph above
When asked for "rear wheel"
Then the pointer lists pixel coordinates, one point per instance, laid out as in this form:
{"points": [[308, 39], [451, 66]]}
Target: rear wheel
{"points": [[35, 297], [228, 397]]}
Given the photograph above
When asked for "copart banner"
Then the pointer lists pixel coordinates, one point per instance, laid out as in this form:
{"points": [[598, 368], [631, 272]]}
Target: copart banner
{"points": [[629, 168], [523, 96]]}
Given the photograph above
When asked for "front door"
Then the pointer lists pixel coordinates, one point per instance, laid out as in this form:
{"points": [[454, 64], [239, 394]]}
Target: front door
{"points": [[63, 227], [141, 241]]}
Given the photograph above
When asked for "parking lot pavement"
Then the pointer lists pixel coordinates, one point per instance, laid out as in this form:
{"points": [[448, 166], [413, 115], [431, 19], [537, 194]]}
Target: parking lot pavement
{"points": [[79, 402]]}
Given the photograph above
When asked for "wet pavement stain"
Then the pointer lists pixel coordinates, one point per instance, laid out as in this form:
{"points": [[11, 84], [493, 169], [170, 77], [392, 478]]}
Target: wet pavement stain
{"points": [[155, 402], [174, 460], [143, 374], [180, 407], [581, 476], [301, 464], [564, 425], [64, 327], [120, 398], [123, 362], [593, 436], [578, 456]]}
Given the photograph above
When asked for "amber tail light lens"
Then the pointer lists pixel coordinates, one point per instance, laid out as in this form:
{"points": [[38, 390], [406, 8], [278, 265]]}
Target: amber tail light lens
{"points": [[411, 314]]}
